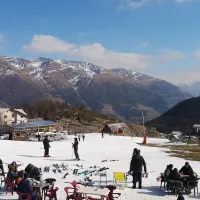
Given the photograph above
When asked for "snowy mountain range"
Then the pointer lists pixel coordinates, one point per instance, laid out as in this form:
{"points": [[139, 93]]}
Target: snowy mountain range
{"points": [[118, 92], [193, 89]]}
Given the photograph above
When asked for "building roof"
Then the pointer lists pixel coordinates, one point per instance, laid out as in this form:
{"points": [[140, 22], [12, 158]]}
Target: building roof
{"points": [[116, 126], [176, 133], [177, 138], [196, 126], [3, 110], [33, 124], [21, 111]]}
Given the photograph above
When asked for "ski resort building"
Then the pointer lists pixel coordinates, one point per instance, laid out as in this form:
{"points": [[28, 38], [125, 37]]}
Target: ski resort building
{"points": [[118, 128], [32, 127], [176, 138], [9, 116]]}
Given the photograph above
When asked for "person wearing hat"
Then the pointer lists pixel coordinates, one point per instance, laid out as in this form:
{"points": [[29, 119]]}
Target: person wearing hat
{"points": [[46, 146], [186, 170], [75, 147], [133, 156], [136, 165]]}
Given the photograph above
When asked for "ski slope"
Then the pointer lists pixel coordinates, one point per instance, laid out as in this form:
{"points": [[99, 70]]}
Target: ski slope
{"points": [[92, 151]]}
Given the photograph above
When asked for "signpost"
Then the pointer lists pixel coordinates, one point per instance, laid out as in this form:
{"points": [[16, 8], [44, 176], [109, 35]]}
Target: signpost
{"points": [[145, 138]]}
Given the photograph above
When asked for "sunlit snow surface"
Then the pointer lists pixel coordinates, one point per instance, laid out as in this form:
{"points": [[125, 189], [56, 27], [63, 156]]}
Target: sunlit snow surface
{"points": [[92, 152]]}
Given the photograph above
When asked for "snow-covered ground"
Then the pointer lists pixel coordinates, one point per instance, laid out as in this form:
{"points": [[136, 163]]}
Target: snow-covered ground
{"points": [[92, 151]]}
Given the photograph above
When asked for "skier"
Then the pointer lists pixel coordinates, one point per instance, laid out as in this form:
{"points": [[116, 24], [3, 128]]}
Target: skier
{"points": [[79, 138], [83, 136], [39, 137], [46, 146], [75, 146], [102, 134], [136, 167]]}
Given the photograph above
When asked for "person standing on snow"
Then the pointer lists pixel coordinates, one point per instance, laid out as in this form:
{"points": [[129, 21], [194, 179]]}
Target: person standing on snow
{"points": [[83, 136], [136, 167], [75, 146], [79, 138], [39, 137], [46, 146]]}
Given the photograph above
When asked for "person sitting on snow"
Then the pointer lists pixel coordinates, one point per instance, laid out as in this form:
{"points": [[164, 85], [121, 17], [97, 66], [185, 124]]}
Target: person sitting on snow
{"points": [[167, 171], [12, 170], [186, 170], [26, 186], [174, 175]]}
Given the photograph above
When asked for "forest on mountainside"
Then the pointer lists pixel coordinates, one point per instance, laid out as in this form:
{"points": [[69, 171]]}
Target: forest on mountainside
{"points": [[181, 117], [54, 110]]}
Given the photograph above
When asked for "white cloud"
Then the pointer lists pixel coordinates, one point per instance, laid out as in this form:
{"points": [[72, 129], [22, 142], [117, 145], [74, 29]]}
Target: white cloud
{"points": [[187, 76], [98, 54], [134, 4], [47, 44], [94, 53], [197, 54], [169, 55]]}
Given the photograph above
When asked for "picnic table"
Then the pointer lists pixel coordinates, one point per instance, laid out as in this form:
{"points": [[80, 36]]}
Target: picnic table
{"points": [[85, 191], [184, 176]]}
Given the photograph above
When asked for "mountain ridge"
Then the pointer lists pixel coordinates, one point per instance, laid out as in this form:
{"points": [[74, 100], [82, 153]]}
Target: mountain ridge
{"points": [[125, 92], [179, 118], [193, 88]]}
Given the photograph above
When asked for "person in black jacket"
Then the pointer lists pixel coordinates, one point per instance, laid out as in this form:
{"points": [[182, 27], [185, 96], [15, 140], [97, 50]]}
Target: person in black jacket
{"points": [[46, 146], [136, 167], [174, 175], [187, 170], [39, 137], [12, 170], [75, 146], [133, 156], [26, 186]]}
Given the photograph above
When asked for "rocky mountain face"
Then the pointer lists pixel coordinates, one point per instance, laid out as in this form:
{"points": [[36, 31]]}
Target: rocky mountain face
{"points": [[193, 89], [117, 92]]}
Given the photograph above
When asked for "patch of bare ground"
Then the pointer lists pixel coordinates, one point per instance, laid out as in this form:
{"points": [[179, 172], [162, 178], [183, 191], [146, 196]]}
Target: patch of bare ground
{"points": [[188, 152]]}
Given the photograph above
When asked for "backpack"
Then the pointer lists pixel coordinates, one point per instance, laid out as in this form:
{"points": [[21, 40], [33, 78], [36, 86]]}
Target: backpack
{"points": [[33, 172]]}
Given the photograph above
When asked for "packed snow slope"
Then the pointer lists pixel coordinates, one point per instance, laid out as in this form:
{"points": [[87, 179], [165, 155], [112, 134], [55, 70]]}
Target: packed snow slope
{"points": [[92, 151]]}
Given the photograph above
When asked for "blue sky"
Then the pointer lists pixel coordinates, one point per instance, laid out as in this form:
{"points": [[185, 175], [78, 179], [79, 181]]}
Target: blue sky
{"points": [[156, 37]]}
